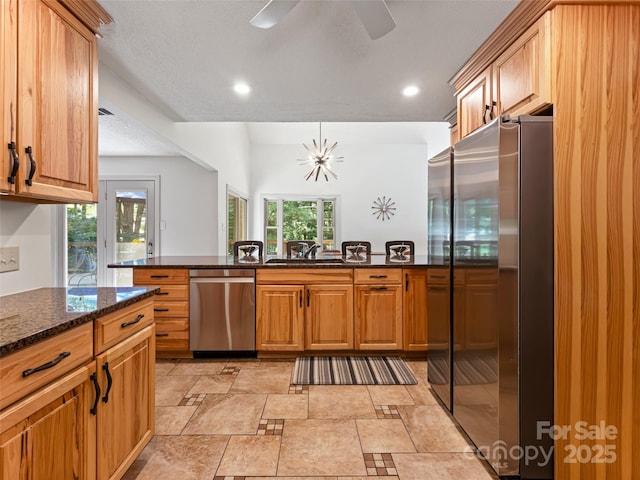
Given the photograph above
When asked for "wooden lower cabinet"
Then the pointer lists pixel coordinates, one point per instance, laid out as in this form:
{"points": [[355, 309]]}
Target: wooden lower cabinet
{"points": [[329, 317], [415, 309], [279, 317], [378, 317], [125, 415], [171, 308], [51, 434]]}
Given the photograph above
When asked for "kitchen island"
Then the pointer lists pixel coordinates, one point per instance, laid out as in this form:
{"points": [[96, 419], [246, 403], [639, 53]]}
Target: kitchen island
{"points": [[73, 363], [329, 303]]}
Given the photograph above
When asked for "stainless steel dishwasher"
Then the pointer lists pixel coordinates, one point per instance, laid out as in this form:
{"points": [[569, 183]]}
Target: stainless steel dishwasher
{"points": [[222, 311]]}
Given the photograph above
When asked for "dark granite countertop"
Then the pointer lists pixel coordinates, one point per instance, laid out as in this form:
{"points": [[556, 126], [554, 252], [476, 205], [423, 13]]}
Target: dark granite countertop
{"points": [[29, 317], [372, 261]]}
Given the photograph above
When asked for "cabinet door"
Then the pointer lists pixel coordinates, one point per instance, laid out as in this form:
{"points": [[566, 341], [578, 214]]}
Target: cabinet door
{"points": [[8, 87], [415, 309], [472, 103], [522, 74], [126, 411], [378, 317], [329, 317], [50, 433], [279, 317], [57, 111]]}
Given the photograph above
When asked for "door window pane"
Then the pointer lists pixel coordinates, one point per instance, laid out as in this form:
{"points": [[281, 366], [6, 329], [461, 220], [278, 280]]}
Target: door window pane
{"points": [[236, 220], [131, 231], [271, 223]]}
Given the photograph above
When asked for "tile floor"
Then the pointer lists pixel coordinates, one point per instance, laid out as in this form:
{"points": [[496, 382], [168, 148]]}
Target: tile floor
{"points": [[242, 420]]}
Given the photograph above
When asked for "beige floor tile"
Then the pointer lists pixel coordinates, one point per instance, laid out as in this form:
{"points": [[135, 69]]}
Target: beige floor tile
{"points": [[390, 395], [369, 478], [443, 466], [198, 367], [432, 430], [163, 367], [320, 447], [422, 394], [254, 363], [171, 389], [340, 402], [171, 420], [274, 379], [227, 415], [213, 384], [419, 367], [306, 478], [384, 436], [179, 457], [250, 455], [286, 406]]}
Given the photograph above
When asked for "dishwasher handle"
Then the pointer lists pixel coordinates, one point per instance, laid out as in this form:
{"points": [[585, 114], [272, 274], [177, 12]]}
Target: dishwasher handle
{"points": [[222, 280]]}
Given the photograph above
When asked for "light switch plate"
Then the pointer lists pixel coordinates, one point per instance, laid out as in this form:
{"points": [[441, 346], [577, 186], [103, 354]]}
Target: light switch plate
{"points": [[9, 259]]}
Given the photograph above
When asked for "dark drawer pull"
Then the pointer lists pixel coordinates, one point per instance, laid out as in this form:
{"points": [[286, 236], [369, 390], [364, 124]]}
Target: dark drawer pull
{"points": [[438, 276], [438, 288], [159, 276], [47, 365], [132, 322], [377, 276], [105, 367], [378, 288], [96, 385], [162, 334], [160, 309], [162, 293]]}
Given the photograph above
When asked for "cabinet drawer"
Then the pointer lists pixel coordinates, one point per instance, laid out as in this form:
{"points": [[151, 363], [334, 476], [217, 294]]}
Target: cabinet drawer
{"points": [[171, 309], [304, 276], [160, 276], [172, 334], [73, 348], [172, 293], [369, 276], [438, 276], [119, 325]]}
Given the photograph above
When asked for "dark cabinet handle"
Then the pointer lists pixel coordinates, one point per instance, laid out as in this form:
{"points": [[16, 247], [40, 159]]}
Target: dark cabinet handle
{"points": [[159, 276], [32, 168], [162, 334], [47, 365], [378, 288], [162, 293], [132, 322], [96, 385], [308, 298], [105, 367], [484, 114], [160, 309], [491, 114], [377, 276], [300, 298], [406, 282], [16, 163]]}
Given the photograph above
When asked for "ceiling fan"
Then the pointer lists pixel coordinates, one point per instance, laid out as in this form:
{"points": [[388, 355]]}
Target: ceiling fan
{"points": [[374, 15]]}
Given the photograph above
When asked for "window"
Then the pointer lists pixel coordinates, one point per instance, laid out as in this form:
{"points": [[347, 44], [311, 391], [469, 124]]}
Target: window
{"points": [[236, 219], [299, 219]]}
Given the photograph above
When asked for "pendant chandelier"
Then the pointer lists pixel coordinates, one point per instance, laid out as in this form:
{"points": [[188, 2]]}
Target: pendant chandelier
{"points": [[320, 158]]}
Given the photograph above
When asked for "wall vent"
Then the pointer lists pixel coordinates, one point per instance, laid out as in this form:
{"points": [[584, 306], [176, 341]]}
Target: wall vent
{"points": [[104, 111]]}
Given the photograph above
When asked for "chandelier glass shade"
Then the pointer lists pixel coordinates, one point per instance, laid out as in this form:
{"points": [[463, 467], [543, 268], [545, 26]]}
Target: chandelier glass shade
{"points": [[320, 159]]}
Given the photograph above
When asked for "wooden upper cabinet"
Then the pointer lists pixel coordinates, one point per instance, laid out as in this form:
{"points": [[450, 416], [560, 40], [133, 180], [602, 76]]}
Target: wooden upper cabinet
{"points": [[50, 103], [472, 104], [521, 75]]}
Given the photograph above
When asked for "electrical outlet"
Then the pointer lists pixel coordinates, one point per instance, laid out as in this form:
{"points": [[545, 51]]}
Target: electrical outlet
{"points": [[9, 259]]}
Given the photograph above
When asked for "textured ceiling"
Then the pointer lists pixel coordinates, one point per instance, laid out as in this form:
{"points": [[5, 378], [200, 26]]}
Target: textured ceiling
{"points": [[316, 64]]}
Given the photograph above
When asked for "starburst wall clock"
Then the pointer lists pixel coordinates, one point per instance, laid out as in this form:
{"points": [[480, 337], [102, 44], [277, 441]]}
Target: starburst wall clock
{"points": [[384, 209]]}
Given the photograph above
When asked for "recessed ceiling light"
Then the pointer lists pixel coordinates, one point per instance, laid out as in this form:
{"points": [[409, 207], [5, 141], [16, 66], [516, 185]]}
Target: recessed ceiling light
{"points": [[410, 91], [242, 88]]}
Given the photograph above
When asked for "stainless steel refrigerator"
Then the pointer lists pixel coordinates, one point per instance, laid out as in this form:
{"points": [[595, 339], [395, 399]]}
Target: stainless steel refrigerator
{"points": [[501, 280]]}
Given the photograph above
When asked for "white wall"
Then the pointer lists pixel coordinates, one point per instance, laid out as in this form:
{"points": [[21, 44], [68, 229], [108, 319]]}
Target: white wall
{"points": [[187, 200], [27, 226], [368, 171]]}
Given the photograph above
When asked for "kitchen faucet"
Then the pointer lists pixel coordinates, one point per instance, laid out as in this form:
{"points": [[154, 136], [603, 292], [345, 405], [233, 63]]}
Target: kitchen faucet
{"points": [[307, 251]]}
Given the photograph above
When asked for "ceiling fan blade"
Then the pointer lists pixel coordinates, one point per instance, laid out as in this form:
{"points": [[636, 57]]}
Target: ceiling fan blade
{"points": [[375, 16], [272, 13]]}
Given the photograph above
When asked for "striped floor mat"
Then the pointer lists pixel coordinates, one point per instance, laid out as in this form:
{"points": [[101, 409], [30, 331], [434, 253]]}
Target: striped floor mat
{"points": [[352, 371]]}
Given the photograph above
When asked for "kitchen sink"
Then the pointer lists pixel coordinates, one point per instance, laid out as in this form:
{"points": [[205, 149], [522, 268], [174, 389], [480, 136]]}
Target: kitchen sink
{"points": [[305, 261]]}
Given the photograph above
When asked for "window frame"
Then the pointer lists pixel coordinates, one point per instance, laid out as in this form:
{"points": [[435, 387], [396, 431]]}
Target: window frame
{"points": [[280, 199], [232, 192]]}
